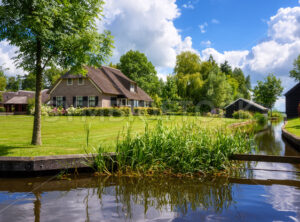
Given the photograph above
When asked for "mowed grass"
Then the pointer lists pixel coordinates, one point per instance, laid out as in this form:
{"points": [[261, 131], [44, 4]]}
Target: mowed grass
{"points": [[293, 126], [67, 135]]}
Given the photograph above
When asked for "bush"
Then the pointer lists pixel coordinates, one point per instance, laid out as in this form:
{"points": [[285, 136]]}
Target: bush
{"points": [[2, 109], [143, 111], [98, 111], [260, 118], [275, 114], [242, 114]]}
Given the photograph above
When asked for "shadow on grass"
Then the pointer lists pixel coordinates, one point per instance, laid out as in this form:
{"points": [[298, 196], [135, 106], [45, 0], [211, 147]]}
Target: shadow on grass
{"points": [[5, 149]]}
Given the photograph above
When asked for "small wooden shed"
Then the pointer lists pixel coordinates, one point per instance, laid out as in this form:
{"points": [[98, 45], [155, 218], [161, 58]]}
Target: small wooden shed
{"points": [[244, 104], [292, 101]]}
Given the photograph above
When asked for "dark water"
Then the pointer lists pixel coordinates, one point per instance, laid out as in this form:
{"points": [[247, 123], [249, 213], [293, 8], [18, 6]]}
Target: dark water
{"points": [[263, 192]]}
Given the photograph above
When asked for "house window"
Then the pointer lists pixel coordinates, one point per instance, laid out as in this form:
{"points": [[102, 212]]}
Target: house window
{"points": [[59, 101], [92, 101], [80, 81], [113, 101], [136, 103], [123, 102], [132, 87], [69, 82], [79, 101]]}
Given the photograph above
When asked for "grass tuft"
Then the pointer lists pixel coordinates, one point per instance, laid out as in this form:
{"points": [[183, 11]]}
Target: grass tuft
{"points": [[181, 149]]}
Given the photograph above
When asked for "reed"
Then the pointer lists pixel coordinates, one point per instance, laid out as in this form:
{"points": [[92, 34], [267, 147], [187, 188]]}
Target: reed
{"points": [[180, 149]]}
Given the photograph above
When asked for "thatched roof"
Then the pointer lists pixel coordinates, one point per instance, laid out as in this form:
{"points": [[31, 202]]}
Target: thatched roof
{"points": [[111, 81]]}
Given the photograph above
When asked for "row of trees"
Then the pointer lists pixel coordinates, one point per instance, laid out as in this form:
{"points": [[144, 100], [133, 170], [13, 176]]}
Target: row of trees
{"points": [[28, 82], [193, 80]]}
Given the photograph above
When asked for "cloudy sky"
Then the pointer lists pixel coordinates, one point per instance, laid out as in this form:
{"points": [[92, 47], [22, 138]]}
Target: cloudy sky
{"points": [[261, 37]]}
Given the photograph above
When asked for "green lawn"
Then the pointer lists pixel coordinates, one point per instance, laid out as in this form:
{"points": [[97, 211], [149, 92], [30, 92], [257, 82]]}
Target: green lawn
{"points": [[293, 126], [67, 135]]}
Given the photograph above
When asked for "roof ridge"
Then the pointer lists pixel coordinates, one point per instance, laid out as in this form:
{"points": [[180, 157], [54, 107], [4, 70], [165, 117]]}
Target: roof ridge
{"points": [[113, 82]]}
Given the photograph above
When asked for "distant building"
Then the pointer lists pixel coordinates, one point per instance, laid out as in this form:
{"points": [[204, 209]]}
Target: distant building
{"points": [[244, 104], [17, 102], [292, 101]]}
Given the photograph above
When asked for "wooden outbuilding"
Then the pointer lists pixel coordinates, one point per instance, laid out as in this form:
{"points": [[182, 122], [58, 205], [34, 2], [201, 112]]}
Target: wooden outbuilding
{"points": [[244, 104], [292, 102]]}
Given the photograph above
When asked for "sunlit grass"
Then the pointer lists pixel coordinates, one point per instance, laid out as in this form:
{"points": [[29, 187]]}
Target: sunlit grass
{"points": [[66, 135], [293, 126]]}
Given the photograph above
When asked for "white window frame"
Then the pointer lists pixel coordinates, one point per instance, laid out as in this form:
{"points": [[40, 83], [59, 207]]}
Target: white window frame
{"points": [[89, 101], [77, 99], [132, 87], [69, 79], [62, 101], [82, 83]]}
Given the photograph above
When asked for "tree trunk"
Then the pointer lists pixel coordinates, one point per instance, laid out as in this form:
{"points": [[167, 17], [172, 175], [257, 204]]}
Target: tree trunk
{"points": [[36, 134]]}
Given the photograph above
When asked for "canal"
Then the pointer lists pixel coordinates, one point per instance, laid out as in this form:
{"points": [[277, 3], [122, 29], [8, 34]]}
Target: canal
{"points": [[262, 192]]}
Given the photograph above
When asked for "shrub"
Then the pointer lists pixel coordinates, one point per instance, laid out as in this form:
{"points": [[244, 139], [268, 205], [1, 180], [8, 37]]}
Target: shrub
{"points": [[180, 149], [275, 114], [147, 111], [2, 109], [260, 118], [241, 114], [30, 106]]}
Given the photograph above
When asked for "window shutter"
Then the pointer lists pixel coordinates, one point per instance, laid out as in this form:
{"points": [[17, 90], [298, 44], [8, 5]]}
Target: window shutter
{"points": [[54, 101], [85, 101], [96, 101], [74, 101], [64, 101]]}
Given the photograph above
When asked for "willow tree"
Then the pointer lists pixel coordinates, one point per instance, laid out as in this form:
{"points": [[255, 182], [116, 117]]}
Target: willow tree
{"points": [[53, 32]]}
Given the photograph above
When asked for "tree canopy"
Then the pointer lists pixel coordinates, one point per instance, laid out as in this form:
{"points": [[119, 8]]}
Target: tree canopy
{"points": [[61, 33], [3, 80], [266, 92], [137, 67], [207, 82], [295, 73]]}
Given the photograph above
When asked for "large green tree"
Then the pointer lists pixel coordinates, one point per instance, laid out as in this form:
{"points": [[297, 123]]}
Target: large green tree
{"points": [[55, 32], [295, 73], [13, 83], [266, 92], [137, 67], [3, 80]]}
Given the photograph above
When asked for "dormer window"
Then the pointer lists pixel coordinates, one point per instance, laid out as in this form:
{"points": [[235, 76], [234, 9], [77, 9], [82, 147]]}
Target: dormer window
{"points": [[70, 82], [80, 81], [132, 87]]}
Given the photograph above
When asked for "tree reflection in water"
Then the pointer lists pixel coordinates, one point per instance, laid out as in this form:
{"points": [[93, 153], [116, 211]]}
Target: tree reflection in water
{"points": [[170, 194]]}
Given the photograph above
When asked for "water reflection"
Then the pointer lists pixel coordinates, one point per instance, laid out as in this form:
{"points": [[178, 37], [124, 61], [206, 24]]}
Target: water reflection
{"points": [[270, 142], [157, 199]]}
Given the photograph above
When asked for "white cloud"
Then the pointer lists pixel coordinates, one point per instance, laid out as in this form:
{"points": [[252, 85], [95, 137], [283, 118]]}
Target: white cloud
{"points": [[206, 43], [188, 5], [215, 21], [7, 52], [235, 58], [146, 26], [273, 55], [203, 27]]}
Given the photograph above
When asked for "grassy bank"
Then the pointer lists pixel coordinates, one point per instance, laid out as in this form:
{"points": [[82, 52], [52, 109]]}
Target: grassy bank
{"points": [[293, 126], [67, 135], [187, 148]]}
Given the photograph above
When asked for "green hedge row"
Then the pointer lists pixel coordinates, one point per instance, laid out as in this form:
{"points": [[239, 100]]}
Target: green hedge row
{"points": [[95, 111], [143, 111]]}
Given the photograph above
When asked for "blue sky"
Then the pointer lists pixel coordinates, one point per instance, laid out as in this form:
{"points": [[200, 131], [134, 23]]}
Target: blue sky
{"points": [[259, 36], [240, 24]]}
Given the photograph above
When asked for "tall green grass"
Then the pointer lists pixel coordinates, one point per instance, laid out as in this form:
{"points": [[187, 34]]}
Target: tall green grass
{"points": [[185, 149]]}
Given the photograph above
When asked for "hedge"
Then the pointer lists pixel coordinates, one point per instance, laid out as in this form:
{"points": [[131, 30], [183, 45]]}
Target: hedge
{"points": [[143, 111]]}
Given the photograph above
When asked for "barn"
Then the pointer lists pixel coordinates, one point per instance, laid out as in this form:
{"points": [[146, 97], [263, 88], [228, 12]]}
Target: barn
{"points": [[292, 102], [244, 104]]}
